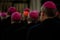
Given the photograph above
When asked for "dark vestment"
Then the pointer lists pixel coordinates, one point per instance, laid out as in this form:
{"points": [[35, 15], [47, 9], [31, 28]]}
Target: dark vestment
{"points": [[47, 30], [4, 26], [9, 19], [17, 32]]}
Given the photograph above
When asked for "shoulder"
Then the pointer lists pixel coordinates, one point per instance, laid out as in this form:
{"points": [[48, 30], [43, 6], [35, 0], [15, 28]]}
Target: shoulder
{"points": [[34, 32], [34, 29]]}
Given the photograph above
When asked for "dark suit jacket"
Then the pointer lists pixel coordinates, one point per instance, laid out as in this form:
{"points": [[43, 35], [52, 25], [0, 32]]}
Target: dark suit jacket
{"points": [[48, 30]]}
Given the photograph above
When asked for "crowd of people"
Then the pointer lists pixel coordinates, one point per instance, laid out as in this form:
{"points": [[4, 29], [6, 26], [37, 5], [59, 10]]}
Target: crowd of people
{"points": [[34, 25]]}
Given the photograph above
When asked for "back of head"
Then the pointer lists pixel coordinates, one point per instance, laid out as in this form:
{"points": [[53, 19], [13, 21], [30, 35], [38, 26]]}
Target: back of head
{"points": [[27, 9], [25, 14], [16, 16], [11, 10], [3, 14], [34, 15], [49, 8]]}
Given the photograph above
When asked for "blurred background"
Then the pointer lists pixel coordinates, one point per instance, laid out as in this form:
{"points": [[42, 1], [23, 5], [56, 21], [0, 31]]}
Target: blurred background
{"points": [[21, 4]]}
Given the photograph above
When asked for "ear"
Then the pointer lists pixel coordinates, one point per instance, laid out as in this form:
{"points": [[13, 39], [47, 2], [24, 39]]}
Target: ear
{"points": [[57, 13]]}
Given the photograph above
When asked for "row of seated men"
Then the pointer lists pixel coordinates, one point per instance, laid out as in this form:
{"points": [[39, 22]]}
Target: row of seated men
{"points": [[43, 26]]}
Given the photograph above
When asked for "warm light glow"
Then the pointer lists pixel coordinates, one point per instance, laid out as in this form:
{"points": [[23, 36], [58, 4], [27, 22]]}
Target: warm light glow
{"points": [[26, 13]]}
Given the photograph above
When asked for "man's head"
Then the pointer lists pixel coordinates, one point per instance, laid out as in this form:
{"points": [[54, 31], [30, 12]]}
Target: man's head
{"points": [[16, 16], [3, 15], [26, 12], [48, 9], [34, 15], [11, 10]]}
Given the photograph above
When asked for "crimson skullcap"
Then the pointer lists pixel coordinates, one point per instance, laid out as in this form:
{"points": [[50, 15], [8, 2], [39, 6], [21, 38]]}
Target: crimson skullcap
{"points": [[3, 14], [12, 9], [49, 4], [34, 14], [16, 16], [27, 9]]}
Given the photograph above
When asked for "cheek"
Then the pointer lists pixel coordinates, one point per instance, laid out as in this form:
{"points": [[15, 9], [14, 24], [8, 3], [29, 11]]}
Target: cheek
{"points": [[42, 14]]}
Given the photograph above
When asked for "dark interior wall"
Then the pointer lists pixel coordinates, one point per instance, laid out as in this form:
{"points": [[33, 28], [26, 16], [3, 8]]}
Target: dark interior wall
{"points": [[13, 0], [57, 2], [4, 5], [19, 4], [22, 1]]}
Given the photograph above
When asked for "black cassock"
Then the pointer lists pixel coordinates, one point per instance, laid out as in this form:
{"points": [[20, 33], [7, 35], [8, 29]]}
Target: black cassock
{"points": [[47, 30]]}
